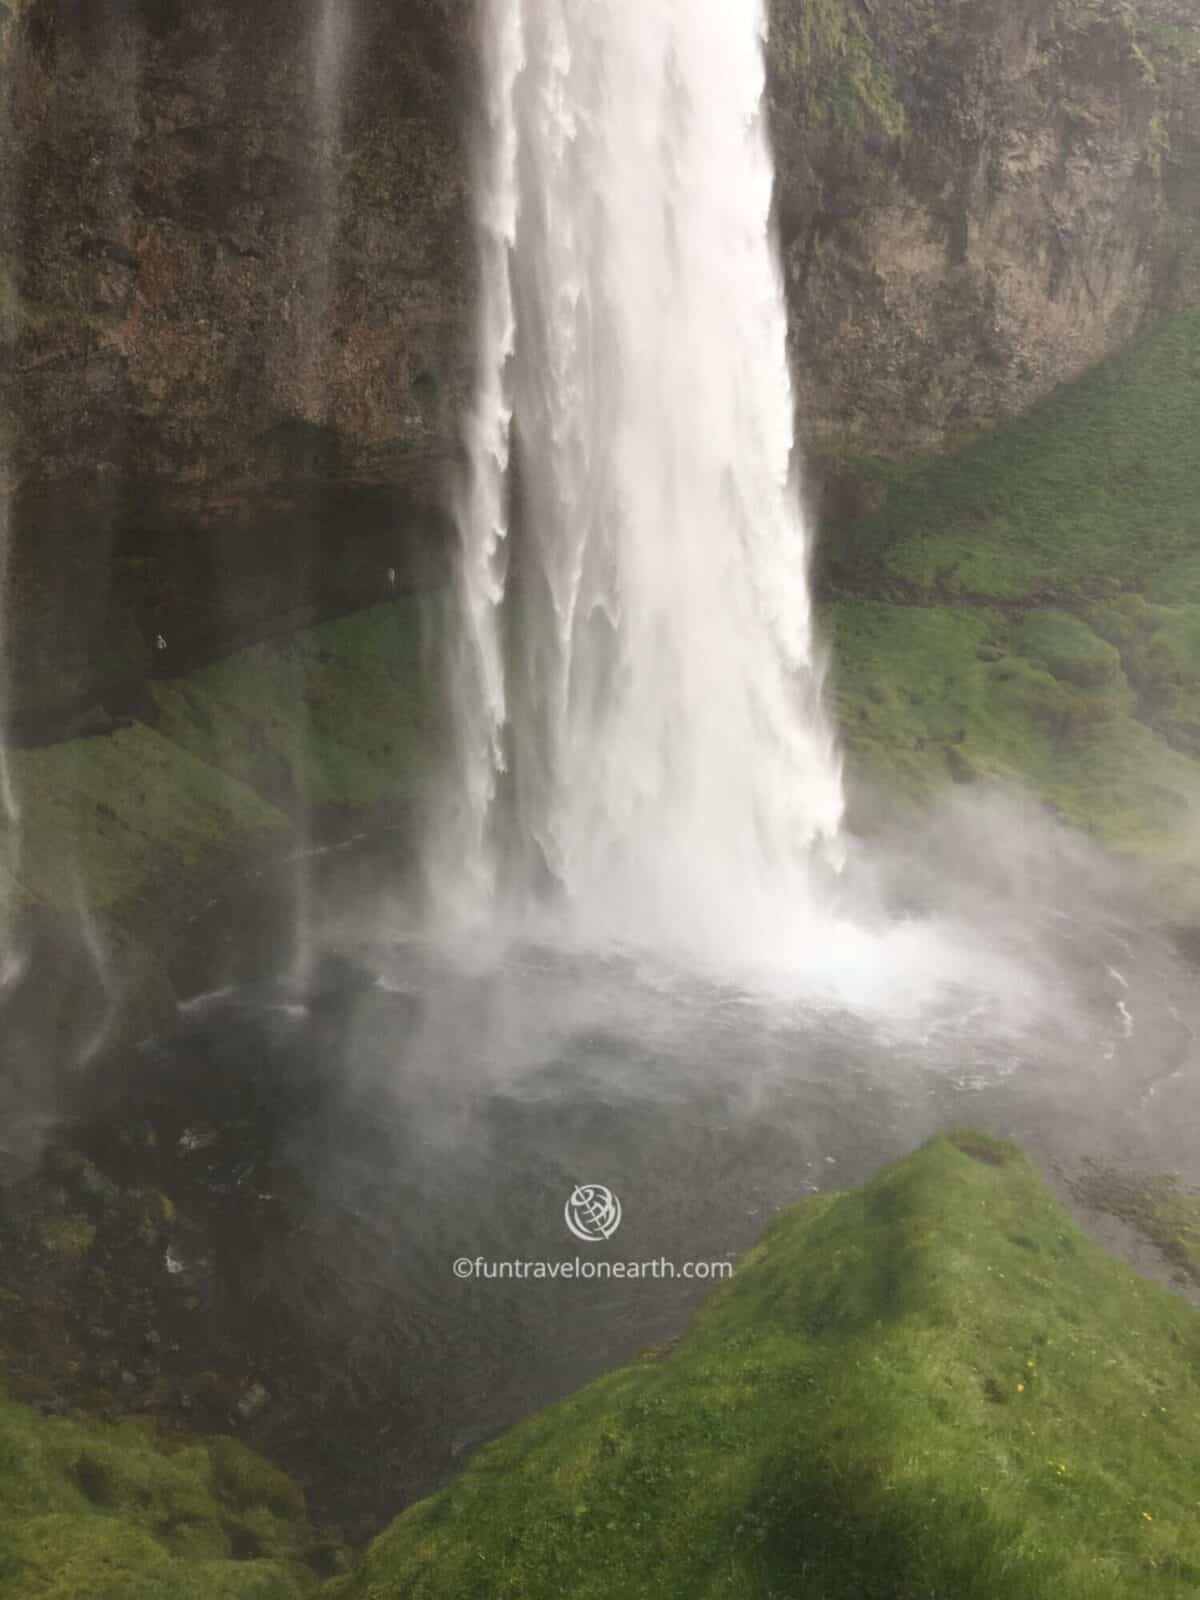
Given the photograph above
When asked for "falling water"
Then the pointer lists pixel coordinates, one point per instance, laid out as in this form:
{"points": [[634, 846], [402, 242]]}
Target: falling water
{"points": [[11, 957], [10, 811], [327, 70], [638, 683], [327, 67]]}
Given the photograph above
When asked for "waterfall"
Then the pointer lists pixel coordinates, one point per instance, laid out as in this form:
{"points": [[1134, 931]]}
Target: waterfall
{"points": [[637, 684]]}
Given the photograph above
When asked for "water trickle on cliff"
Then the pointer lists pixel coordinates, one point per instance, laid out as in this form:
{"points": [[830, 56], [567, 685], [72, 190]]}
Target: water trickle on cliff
{"points": [[331, 25], [11, 960], [327, 65], [638, 684]]}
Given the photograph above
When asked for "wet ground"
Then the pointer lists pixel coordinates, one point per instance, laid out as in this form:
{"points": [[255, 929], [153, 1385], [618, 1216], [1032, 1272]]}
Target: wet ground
{"points": [[257, 1225]]}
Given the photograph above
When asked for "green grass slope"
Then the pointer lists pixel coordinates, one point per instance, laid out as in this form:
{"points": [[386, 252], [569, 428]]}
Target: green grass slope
{"points": [[934, 1385], [334, 716], [100, 1511], [1028, 608]]}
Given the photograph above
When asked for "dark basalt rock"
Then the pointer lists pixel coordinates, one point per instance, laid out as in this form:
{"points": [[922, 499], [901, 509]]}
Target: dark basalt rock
{"points": [[228, 323]]}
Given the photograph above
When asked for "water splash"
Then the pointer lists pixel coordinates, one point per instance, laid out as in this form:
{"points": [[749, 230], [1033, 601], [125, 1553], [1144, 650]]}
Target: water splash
{"points": [[638, 686]]}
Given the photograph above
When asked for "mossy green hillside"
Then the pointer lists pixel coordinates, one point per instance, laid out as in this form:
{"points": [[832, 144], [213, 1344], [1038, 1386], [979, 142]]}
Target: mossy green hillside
{"points": [[337, 714], [103, 1511], [1090, 492], [1028, 608], [932, 1385], [930, 695], [334, 716], [128, 817]]}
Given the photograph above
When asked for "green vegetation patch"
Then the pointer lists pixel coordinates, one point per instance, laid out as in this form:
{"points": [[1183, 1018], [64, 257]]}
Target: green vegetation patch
{"points": [[1028, 608], [1068, 649], [103, 1511], [825, 51], [1095, 490], [932, 1385], [126, 813], [337, 715], [929, 695]]}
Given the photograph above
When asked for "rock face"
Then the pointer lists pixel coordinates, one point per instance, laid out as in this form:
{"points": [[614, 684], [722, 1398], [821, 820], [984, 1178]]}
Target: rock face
{"points": [[976, 201], [239, 245], [236, 283], [236, 277]]}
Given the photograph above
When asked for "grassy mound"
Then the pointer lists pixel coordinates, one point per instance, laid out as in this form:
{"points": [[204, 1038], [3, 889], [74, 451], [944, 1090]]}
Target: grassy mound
{"points": [[102, 1511], [934, 1385], [1028, 608]]}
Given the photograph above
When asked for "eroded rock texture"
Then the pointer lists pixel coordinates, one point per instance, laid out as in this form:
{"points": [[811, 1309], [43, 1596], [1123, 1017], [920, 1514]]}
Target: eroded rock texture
{"points": [[977, 201], [236, 278]]}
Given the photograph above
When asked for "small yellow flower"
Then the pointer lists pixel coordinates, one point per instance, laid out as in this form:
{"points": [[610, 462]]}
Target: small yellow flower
{"points": [[1147, 1516], [1020, 1388]]}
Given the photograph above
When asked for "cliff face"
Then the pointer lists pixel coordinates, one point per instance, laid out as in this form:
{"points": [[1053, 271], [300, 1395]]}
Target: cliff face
{"points": [[976, 201], [231, 220], [236, 277], [236, 270]]}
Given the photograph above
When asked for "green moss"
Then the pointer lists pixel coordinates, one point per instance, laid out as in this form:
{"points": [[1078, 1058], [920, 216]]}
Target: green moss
{"points": [[127, 814], [929, 695], [1096, 486], [335, 715], [68, 1236], [1160, 646], [828, 50], [1068, 649], [103, 1511], [933, 1385], [247, 1482], [1028, 608]]}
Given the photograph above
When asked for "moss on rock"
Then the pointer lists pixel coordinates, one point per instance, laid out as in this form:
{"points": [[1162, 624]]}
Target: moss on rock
{"points": [[88, 1508], [932, 1385], [336, 715], [1026, 608]]}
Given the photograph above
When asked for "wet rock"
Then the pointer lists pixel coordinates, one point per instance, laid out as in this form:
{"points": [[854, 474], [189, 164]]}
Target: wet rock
{"points": [[253, 1403], [959, 765]]}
